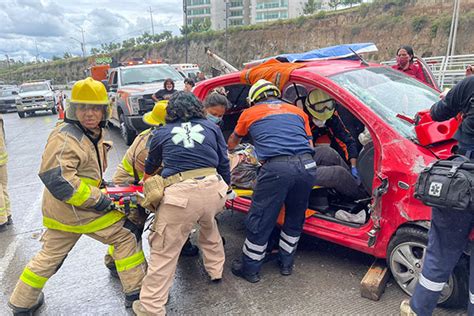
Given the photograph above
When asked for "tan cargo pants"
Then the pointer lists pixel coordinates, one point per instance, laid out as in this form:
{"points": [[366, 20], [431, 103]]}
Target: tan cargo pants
{"points": [[4, 199], [128, 255], [184, 204]]}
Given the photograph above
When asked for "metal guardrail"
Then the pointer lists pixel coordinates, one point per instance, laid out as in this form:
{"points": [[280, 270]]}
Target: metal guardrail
{"points": [[447, 71]]}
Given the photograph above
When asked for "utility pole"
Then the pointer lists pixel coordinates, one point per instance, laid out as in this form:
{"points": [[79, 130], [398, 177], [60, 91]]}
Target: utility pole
{"points": [[185, 10], [9, 72], [36, 56], [451, 40], [152, 26], [227, 5], [83, 44]]}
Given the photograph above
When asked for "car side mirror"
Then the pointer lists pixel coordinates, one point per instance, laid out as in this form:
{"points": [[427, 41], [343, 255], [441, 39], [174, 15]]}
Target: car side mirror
{"points": [[113, 87]]}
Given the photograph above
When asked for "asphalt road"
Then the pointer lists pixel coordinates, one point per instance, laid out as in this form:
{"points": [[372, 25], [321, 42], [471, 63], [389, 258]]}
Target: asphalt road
{"points": [[325, 281]]}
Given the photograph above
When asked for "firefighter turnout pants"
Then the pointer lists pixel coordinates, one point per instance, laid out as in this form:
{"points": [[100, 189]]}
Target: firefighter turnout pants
{"points": [[283, 180], [184, 204], [448, 238], [128, 255], [4, 199]]}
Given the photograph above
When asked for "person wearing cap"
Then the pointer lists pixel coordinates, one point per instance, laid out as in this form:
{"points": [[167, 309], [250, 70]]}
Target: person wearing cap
{"points": [[282, 140], [71, 169], [337, 168], [192, 155], [131, 169]]}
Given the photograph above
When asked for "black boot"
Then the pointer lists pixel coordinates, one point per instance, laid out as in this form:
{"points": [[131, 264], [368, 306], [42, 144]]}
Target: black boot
{"points": [[112, 269], [131, 297], [189, 250], [22, 311], [238, 270]]}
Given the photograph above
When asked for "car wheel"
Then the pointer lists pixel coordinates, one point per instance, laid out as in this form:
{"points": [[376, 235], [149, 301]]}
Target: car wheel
{"points": [[54, 110], [128, 134], [21, 114], [405, 256]]}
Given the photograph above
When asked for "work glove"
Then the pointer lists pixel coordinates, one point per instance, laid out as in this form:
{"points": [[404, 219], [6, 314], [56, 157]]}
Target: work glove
{"points": [[355, 174], [104, 204]]}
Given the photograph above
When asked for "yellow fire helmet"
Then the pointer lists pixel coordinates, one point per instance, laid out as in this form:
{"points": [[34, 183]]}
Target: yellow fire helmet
{"points": [[88, 92], [157, 116], [262, 89], [320, 105]]}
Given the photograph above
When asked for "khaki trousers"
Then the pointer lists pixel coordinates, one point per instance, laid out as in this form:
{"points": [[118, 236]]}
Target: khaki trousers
{"points": [[4, 199], [184, 204], [56, 246]]}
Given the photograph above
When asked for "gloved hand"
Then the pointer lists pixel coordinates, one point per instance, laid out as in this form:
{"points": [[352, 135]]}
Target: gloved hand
{"points": [[355, 174], [104, 204], [231, 194]]}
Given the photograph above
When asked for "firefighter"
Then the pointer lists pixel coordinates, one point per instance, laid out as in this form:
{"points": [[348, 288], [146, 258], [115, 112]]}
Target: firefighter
{"points": [[193, 153], [282, 139], [449, 231], [333, 171], [73, 204], [131, 170], [5, 214]]}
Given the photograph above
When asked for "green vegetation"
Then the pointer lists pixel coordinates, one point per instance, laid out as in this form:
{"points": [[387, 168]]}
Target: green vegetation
{"points": [[419, 22]]}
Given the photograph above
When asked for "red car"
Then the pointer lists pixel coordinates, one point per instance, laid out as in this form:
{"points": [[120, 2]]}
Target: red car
{"points": [[386, 102]]}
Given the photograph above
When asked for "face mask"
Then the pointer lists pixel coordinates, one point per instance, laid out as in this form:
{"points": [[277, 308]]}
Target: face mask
{"points": [[319, 123], [214, 118]]}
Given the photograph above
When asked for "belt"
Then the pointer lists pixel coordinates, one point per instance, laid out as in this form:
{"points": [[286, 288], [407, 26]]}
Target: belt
{"points": [[287, 158], [196, 174]]}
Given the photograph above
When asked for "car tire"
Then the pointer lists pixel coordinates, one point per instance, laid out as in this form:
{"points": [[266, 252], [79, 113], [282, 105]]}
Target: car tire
{"points": [[405, 256], [54, 110], [21, 114], [128, 134]]}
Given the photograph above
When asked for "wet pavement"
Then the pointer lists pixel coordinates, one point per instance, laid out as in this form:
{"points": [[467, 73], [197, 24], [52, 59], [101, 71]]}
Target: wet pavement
{"points": [[325, 281]]}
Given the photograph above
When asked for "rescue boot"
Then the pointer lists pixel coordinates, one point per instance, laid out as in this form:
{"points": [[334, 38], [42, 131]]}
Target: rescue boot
{"points": [[9, 220], [138, 309], [238, 270], [189, 250], [131, 297], [23, 311], [405, 309], [285, 270]]}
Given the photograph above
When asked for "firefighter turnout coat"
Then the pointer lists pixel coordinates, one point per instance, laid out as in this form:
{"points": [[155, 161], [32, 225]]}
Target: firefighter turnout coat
{"points": [[71, 169]]}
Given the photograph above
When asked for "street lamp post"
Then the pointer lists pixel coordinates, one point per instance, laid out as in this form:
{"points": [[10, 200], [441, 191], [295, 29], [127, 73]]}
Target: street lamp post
{"points": [[227, 4], [185, 9]]}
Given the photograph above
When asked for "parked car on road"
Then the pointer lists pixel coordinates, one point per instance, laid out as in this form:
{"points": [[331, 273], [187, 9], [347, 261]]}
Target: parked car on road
{"points": [[8, 98], [35, 96], [386, 102]]}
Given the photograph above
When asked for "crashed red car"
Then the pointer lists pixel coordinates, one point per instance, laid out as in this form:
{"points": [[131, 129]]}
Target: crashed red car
{"points": [[387, 103]]}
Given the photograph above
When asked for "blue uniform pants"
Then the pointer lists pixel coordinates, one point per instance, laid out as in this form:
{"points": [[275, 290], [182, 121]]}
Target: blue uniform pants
{"points": [[448, 238], [283, 180]]}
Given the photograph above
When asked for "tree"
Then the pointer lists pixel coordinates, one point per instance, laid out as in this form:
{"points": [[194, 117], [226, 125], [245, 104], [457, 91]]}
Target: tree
{"points": [[311, 6], [55, 58], [351, 2], [334, 3], [67, 55]]}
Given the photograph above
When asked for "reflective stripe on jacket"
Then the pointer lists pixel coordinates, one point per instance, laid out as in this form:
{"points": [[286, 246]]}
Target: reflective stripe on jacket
{"points": [[71, 172], [134, 157]]}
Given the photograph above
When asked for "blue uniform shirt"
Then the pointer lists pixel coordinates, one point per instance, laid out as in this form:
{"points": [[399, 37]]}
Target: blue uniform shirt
{"points": [[183, 146], [277, 128]]}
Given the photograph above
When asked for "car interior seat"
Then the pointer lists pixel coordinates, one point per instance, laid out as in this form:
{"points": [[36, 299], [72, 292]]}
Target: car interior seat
{"points": [[365, 165]]}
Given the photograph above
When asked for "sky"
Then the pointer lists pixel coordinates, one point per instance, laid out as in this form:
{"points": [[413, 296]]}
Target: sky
{"points": [[51, 24]]}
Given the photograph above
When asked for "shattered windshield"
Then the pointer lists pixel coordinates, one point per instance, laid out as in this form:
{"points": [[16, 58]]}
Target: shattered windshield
{"points": [[388, 93], [143, 75]]}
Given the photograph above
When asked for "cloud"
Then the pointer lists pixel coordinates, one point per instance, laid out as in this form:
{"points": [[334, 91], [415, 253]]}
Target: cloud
{"points": [[52, 23]]}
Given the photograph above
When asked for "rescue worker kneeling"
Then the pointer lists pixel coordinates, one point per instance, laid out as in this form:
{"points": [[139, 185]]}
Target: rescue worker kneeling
{"points": [[71, 169], [131, 169], [196, 177]]}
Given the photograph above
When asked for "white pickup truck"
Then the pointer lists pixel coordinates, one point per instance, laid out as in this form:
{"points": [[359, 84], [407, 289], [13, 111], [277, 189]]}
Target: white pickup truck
{"points": [[35, 96]]}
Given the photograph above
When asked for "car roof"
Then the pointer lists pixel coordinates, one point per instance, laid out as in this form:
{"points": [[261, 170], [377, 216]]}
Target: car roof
{"points": [[327, 68], [144, 66]]}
